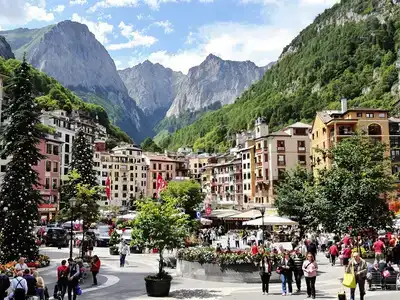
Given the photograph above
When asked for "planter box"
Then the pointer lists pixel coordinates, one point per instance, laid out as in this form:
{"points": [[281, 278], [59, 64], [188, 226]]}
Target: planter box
{"points": [[247, 273], [157, 288], [136, 249]]}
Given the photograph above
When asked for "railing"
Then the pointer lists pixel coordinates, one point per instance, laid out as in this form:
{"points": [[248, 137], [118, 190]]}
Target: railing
{"points": [[301, 149], [282, 149]]}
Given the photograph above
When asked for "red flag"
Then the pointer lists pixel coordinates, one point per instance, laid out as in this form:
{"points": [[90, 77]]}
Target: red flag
{"points": [[108, 188], [159, 182]]}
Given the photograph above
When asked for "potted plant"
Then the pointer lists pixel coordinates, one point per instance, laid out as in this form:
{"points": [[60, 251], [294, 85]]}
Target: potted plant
{"points": [[115, 239], [159, 225]]}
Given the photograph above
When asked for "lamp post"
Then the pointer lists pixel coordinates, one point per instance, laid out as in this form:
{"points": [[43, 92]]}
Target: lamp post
{"points": [[262, 211], [72, 203], [84, 207]]}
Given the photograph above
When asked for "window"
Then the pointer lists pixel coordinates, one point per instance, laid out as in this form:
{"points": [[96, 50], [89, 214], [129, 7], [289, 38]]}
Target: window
{"points": [[116, 174], [131, 188], [159, 166], [281, 173], [154, 175], [369, 115], [124, 195], [154, 185], [359, 115], [301, 146], [300, 131], [280, 145], [123, 202], [49, 148], [124, 187], [67, 138], [55, 166], [103, 182], [302, 159], [116, 195], [48, 166], [265, 157], [136, 189], [65, 171], [244, 166], [47, 183], [66, 148], [131, 168], [66, 159], [55, 150], [3, 168], [382, 115], [248, 155], [116, 187], [168, 166], [154, 166], [281, 160], [55, 183]]}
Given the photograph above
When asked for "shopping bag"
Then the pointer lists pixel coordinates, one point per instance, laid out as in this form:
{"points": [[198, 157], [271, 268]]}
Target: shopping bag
{"points": [[341, 296], [349, 280]]}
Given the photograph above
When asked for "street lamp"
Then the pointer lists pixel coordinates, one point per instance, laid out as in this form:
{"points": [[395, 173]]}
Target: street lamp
{"points": [[84, 207], [72, 202], [262, 211]]}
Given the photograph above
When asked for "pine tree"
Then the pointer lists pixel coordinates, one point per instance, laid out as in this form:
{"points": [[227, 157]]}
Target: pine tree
{"points": [[82, 159], [19, 196]]}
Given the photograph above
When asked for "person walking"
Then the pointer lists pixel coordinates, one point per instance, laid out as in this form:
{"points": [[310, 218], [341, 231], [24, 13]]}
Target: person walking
{"points": [[360, 269], [310, 268], [73, 278], [123, 251], [19, 287], [286, 272], [62, 278], [379, 248], [95, 268], [4, 285], [31, 282], [265, 266], [312, 248], [333, 253], [39, 285], [236, 239], [298, 270], [346, 255]]}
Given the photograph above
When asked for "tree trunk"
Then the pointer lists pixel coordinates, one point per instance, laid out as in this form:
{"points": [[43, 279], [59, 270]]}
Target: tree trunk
{"points": [[160, 263]]}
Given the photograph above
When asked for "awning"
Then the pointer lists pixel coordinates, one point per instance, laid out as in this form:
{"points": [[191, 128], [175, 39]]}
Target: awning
{"points": [[127, 217], [205, 221], [222, 213], [247, 215], [270, 220]]}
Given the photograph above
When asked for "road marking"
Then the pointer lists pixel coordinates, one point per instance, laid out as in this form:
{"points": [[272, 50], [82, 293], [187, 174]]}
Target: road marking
{"points": [[111, 280]]}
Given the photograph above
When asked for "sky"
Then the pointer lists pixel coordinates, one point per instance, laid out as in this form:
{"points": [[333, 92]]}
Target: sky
{"points": [[178, 34]]}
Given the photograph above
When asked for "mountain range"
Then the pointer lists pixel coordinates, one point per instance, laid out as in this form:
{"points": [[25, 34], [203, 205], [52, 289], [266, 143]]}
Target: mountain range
{"points": [[350, 51], [136, 98]]}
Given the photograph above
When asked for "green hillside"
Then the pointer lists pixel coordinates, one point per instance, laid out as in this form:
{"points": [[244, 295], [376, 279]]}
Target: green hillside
{"points": [[350, 51], [52, 95]]}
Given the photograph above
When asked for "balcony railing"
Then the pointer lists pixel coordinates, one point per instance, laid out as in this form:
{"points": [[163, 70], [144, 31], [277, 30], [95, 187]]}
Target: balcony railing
{"points": [[281, 149], [301, 149], [302, 162]]}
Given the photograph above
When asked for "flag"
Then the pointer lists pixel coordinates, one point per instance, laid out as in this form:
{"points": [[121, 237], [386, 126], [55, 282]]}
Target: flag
{"points": [[161, 184], [108, 188]]}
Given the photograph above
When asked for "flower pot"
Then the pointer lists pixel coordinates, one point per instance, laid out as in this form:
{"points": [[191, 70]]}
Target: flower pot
{"points": [[114, 251], [157, 287]]}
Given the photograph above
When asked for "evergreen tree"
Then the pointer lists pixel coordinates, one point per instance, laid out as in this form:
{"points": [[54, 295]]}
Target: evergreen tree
{"points": [[19, 196], [82, 159]]}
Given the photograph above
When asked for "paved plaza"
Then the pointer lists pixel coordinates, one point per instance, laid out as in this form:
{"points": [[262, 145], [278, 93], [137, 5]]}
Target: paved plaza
{"points": [[128, 283]]}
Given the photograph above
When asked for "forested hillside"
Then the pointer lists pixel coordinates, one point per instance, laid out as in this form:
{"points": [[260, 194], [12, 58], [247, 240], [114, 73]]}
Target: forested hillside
{"points": [[52, 95], [350, 50]]}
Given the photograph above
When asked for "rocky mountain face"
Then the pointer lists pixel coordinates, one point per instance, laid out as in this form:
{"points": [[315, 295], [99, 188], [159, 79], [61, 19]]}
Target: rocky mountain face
{"points": [[5, 49], [153, 87], [83, 65], [214, 81]]}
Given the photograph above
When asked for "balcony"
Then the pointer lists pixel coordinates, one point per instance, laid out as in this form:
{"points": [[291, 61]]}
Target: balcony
{"points": [[259, 164], [231, 172], [259, 150], [259, 178], [301, 149], [238, 171], [281, 149]]}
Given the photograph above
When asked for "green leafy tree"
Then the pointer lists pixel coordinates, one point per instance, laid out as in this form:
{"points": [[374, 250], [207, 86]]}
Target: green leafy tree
{"points": [[353, 192], [295, 197], [159, 225], [19, 194], [149, 145], [115, 238], [186, 193]]}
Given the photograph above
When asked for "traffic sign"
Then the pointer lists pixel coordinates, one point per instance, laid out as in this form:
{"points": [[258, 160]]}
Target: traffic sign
{"points": [[198, 215], [208, 211]]}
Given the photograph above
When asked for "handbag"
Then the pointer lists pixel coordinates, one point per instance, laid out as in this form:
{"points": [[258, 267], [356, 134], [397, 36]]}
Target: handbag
{"points": [[386, 274], [78, 290], [349, 279]]}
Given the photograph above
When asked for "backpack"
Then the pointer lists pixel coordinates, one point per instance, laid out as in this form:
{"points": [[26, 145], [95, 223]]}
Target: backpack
{"points": [[4, 282]]}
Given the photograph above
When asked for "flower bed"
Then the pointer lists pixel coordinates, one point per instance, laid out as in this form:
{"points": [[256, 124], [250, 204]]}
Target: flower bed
{"points": [[40, 262], [209, 255]]}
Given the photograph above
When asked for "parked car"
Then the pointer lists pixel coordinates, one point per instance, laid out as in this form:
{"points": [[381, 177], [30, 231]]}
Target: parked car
{"points": [[56, 237], [102, 237]]}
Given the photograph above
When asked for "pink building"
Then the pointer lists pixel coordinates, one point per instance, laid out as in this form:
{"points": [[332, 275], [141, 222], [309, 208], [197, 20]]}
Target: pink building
{"points": [[49, 174]]}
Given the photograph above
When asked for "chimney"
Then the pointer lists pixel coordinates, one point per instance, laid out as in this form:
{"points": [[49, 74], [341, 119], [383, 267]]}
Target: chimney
{"points": [[344, 105]]}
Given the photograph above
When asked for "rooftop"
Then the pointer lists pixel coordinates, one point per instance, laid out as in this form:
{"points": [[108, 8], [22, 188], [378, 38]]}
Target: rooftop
{"points": [[299, 125]]}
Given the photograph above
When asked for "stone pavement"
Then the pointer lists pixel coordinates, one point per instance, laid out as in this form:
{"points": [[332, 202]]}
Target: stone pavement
{"points": [[128, 283]]}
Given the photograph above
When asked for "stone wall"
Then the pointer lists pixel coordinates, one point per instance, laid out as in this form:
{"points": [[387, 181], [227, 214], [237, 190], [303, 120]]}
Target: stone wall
{"points": [[243, 273]]}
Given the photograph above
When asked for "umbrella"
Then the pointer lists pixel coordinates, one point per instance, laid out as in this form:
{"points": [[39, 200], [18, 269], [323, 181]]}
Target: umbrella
{"points": [[270, 220], [205, 221]]}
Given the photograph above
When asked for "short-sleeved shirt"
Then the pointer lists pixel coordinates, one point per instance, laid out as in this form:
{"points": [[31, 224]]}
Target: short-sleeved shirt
{"points": [[378, 247]]}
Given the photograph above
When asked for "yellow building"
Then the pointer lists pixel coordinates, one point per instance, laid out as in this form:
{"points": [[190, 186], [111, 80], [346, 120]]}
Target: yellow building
{"points": [[197, 164], [248, 171], [330, 127]]}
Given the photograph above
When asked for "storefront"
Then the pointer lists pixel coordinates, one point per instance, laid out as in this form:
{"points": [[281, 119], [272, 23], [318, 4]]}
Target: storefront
{"points": [[47, 212]]}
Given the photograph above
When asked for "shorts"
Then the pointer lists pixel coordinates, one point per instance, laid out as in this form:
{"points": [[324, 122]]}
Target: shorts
{"points": [[379, 256]]}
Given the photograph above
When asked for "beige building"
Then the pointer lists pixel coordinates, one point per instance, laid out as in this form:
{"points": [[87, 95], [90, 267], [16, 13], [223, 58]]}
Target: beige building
{"points": [[247, 155], [197, 162], [126, 169]]}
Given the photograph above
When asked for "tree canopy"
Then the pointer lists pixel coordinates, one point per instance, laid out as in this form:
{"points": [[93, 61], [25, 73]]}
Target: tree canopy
{"points": [[148, 145]]}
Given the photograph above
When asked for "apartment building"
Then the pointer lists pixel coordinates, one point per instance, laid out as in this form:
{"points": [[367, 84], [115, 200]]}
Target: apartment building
{"points": [[169, 168], [197, 162], [49, 176], [330, 127], [394, 132], [126, 170], [247, 154]]}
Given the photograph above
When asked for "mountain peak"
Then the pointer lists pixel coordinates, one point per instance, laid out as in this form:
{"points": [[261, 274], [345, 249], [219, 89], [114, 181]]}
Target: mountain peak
{"points": [[212, 57]]}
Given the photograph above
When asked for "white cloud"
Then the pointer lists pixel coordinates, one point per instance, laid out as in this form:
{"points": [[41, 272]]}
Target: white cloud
{"points": [[319, 2], [19, 12], [141, 17], [167, 25], [260, 43], [77, 2], [59, 9], [135, 38], [113, 3], [100, 29]]}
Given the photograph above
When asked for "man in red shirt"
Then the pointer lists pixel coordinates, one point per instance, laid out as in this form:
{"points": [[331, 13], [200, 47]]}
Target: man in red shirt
{"points": [[379, 247], [62, 278], [333, 252], [95, 268], [346, 240]]}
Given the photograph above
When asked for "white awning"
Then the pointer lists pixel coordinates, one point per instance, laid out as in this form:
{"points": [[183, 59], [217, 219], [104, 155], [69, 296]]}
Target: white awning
{"points": [[270, 220], [221, 213], [250, 214], [205, 221]]}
